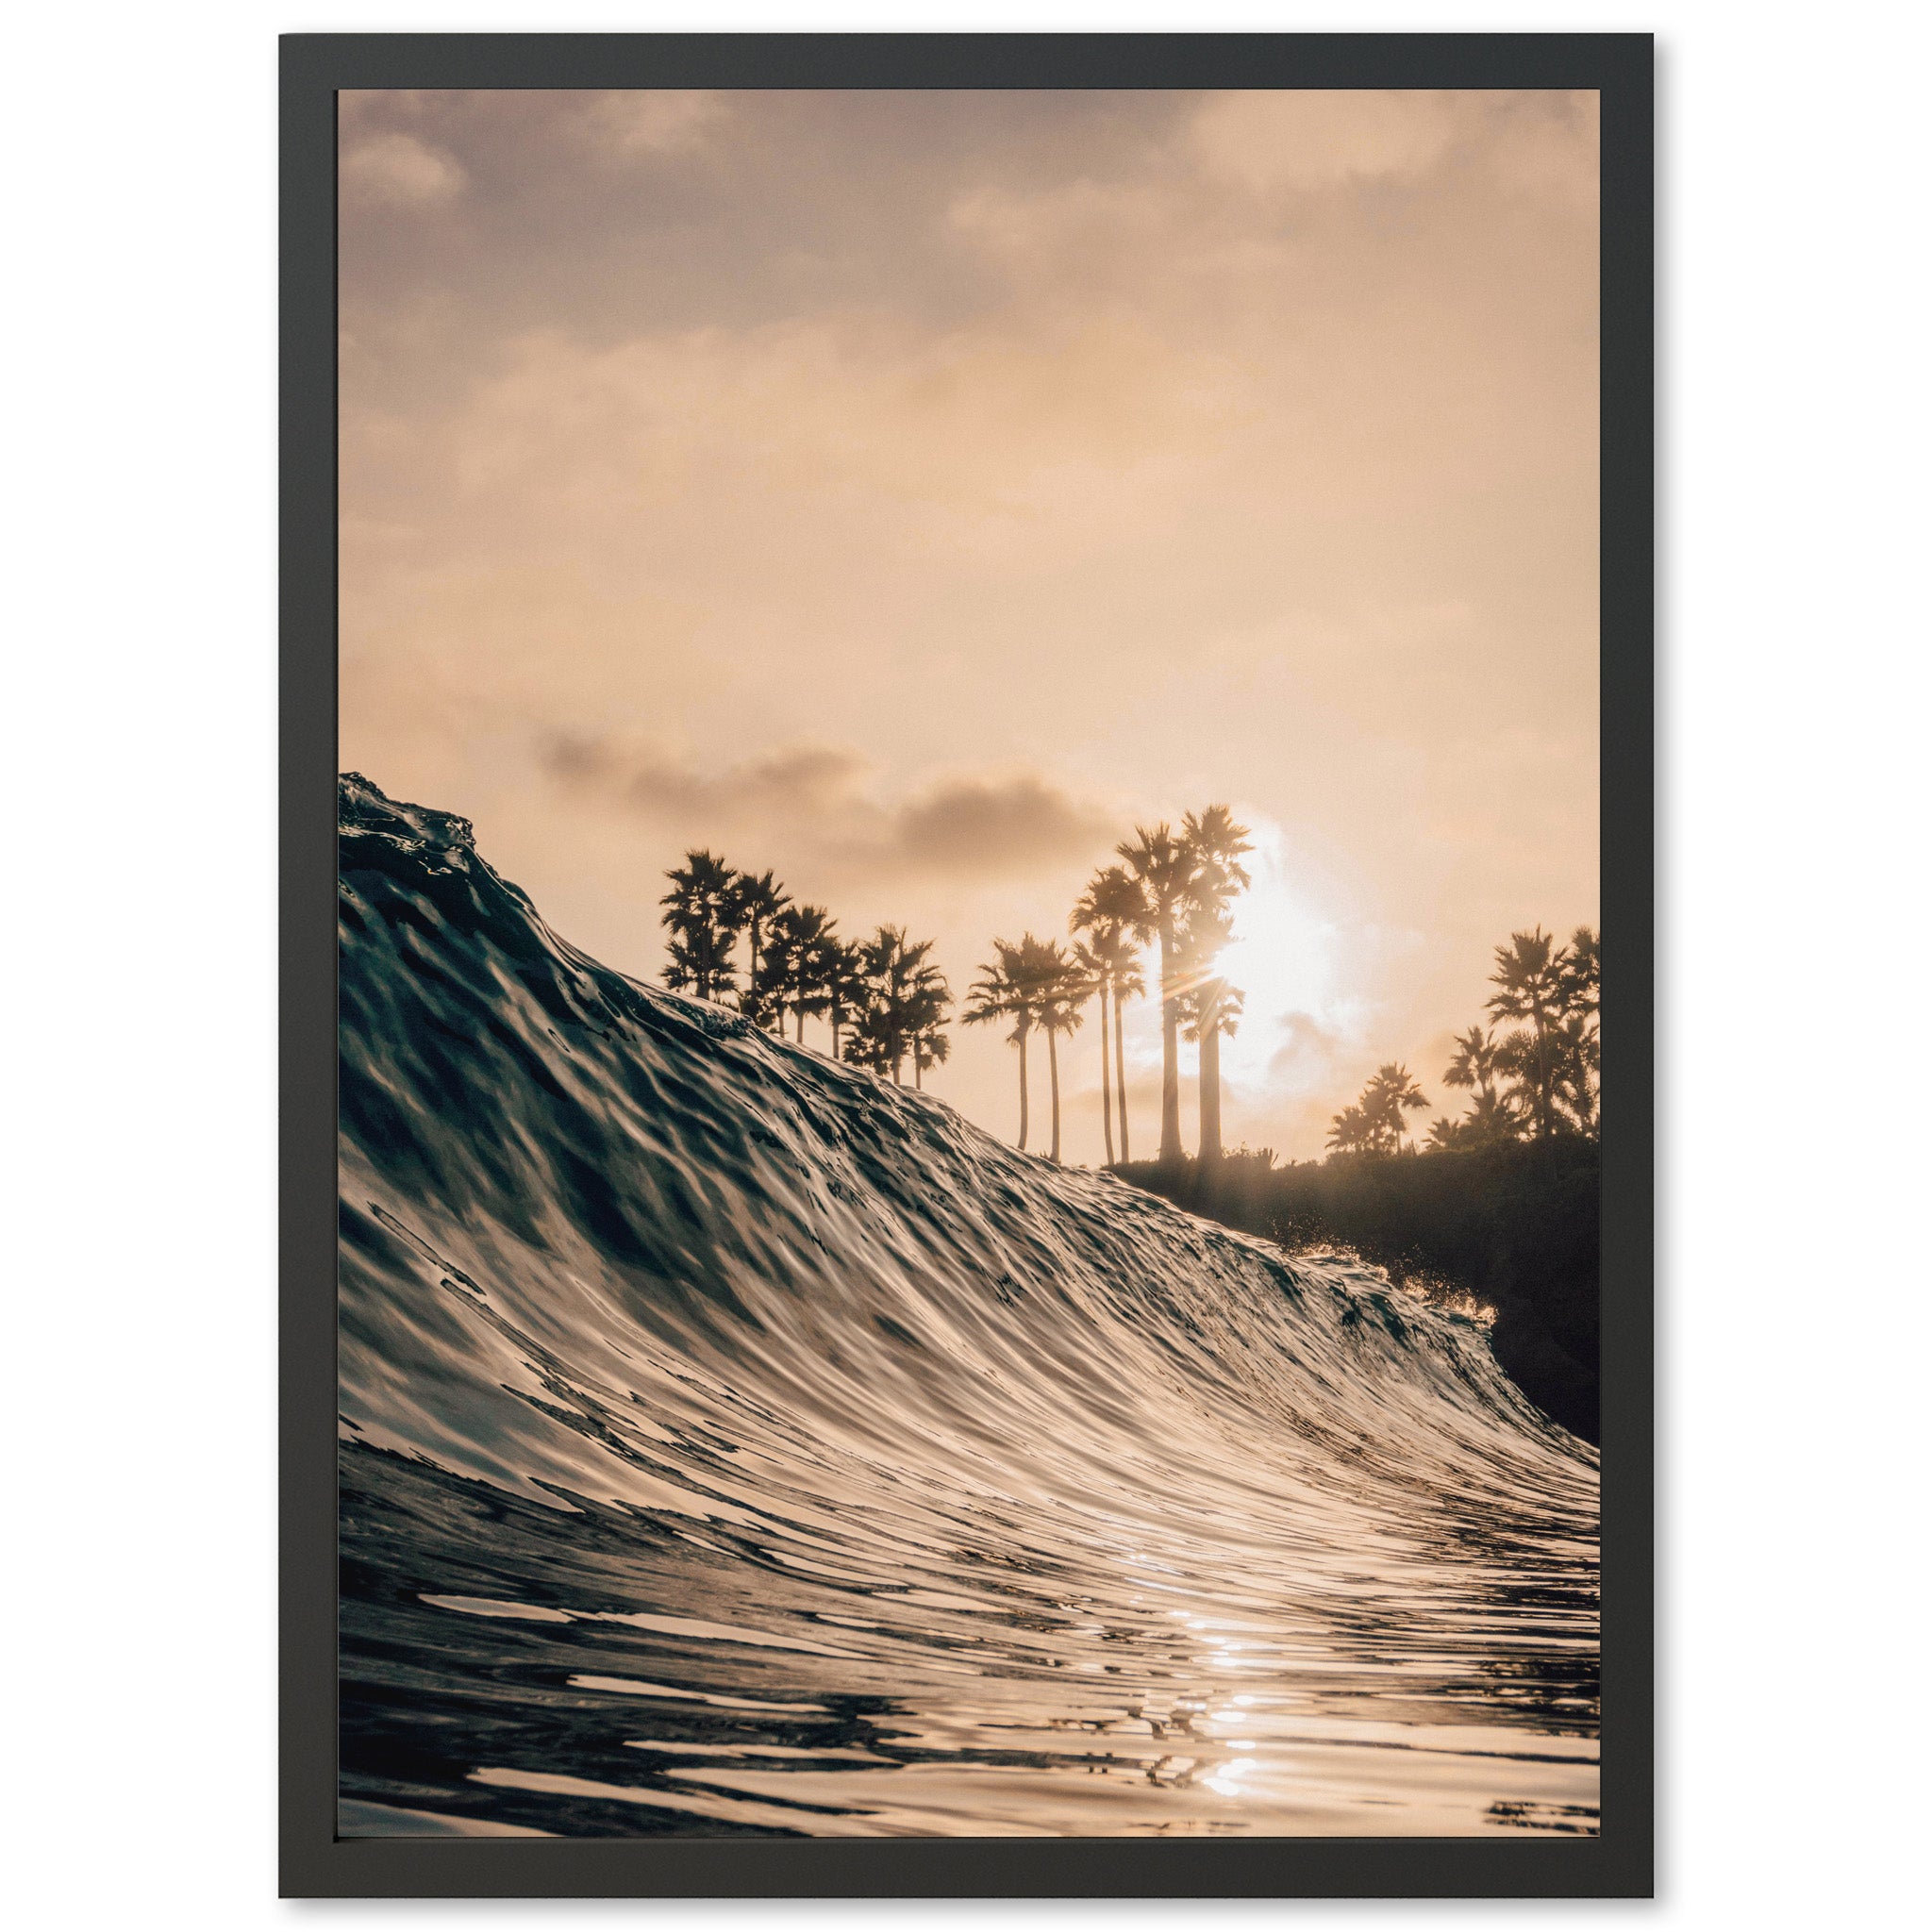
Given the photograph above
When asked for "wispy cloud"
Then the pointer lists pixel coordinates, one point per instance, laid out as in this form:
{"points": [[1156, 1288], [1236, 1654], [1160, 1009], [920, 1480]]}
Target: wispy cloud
{"points": [[976, 826], [655, 120], [399, 171]]}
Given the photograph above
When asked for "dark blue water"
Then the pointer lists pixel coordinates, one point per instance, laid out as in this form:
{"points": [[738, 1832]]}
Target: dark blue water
{"points": [[735, 1442]]}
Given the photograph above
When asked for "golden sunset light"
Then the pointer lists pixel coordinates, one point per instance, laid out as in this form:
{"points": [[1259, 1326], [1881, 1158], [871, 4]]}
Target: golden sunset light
{"points": [[910, 494]]}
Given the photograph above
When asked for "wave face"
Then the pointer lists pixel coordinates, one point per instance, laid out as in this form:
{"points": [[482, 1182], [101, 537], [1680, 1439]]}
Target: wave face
{"points": [[734, 1442]]}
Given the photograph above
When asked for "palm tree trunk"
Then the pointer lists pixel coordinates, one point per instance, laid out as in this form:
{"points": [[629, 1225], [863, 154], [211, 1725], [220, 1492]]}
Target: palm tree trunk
{"points": [[1052, 1067], [1169, 1051], [1545, 1078], [918, 1069], [1120, 1070], [1210, 1083], [1023, 1090], [1105, 1081]]}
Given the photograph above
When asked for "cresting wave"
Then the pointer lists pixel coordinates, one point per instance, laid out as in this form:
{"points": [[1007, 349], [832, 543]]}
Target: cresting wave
{"points": [[734, 1442]]}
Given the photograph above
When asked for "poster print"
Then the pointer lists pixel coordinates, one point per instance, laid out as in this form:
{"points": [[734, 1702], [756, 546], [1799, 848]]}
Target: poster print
{"points": [[970, 1049]]}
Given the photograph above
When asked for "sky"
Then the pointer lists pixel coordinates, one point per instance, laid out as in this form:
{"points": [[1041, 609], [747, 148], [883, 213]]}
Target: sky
{"points": [[913, 491]]}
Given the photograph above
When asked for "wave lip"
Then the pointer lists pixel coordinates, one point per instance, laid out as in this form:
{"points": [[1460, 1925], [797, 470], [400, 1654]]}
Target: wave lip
{"points": [[735, 1442]]}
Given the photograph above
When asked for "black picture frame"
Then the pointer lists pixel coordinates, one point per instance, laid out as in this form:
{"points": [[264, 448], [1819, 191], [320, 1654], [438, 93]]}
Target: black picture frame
{"points": [[314, 1862]]}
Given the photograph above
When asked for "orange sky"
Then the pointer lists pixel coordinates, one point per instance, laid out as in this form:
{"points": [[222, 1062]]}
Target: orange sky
{"points": [[911, 491]]}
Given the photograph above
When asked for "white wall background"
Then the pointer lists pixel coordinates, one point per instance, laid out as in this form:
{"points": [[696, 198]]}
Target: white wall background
{"points": [[138, 890]]}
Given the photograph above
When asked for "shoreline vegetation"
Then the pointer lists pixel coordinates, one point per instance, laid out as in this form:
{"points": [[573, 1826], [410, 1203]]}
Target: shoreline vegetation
{"points": [[1497, 1209]]}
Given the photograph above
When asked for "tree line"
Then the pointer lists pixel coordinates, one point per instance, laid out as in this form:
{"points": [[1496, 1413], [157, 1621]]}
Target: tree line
{"points": [[887, 1002], [883, 996], [1533, 1071]]}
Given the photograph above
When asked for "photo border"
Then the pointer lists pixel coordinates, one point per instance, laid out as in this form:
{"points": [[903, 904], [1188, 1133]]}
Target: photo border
{"points": [[314, 1862]]}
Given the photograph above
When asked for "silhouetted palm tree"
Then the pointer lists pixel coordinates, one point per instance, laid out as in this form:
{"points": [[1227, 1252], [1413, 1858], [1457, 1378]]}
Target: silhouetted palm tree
{"points": [[1219, 846], [1580, 1051], [1164, 867], [1578, 1054], [1374, 1124], [1110, 911], [926, 999], [1060, 991], [1002, 992], [1129, 983], [1529, 986], [1096, 975], [701, 911], [1211, 1013], [1489, 1122], [795, 953], [1582, 972], [903, 992], [760, 899], [841, 974], [1477, 1063], [1390, 1095]]}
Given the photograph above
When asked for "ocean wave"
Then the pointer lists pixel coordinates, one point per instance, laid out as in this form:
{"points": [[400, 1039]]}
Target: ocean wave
{"points": [[735, 1442]]}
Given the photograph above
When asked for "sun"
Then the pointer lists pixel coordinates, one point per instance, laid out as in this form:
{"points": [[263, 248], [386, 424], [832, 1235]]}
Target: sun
{"points": [[1282, 956]]}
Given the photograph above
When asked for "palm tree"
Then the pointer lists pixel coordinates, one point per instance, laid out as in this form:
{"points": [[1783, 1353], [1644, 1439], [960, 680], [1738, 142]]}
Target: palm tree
{"points": [[903, 993], [759, 901], [1165, 868], [1530, 987], [1219, 846], [925, 1000], [1578, 1054], [1491, 1121], [1350, 1132], [842, 974], [1129, 983], [1060, 989], [1579, 1050], [701, 911], [1390, 1095], [1475, 1064], [1487, 1123], [1109, 910], [1582, 972], [795, 954], [1002, 992], [1211, 1013]]}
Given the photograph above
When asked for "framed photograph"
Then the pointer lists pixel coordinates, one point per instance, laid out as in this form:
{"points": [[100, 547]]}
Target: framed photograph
{"points": [[967, 990]]}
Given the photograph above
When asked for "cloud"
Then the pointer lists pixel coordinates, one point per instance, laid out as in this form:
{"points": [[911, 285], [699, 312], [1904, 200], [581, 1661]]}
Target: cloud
{"points": [[1542, 144], [1312, 140], [799, 778], [655, 120], [1306, 1056], [399, 171], [1084, 217], [967, 439], [966, 825], [1019, 823]]}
